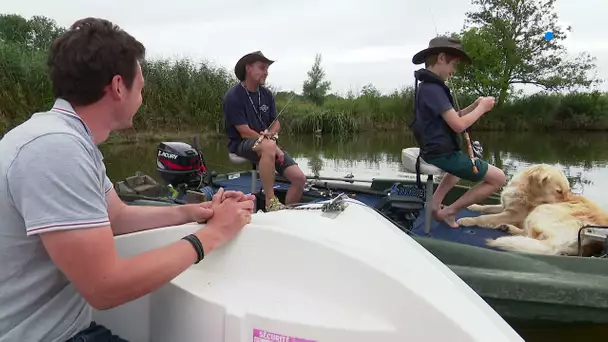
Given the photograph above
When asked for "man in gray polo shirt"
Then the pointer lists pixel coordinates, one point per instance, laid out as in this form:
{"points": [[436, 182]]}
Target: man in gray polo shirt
{"points": [[58, 208]]}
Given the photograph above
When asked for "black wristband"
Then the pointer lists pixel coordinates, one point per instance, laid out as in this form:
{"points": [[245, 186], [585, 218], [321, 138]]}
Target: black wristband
{"points": [[198, 246]]}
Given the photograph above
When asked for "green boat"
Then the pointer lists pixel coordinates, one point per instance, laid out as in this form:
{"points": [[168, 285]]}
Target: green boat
{"points": [[520, 287]]}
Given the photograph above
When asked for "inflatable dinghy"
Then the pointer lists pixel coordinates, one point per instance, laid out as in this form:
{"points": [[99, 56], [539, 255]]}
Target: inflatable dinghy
{"points": [[331, 272]]}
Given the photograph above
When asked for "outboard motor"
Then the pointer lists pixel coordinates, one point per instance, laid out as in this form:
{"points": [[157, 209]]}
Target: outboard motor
{"points": [[180, 164]]}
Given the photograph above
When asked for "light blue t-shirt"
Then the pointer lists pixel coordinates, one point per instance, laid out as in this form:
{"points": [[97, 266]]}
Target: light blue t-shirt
{"points": [[52, 177]]}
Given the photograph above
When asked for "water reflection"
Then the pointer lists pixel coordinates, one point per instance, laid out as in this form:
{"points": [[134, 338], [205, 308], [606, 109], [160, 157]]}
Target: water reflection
{"points": [[581, 156]]}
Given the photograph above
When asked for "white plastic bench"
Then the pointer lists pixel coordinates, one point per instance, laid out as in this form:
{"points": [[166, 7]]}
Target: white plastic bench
{"points": [[408, 159]]}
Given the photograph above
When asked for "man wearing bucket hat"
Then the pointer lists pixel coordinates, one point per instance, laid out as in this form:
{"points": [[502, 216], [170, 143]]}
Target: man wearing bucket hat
{"points": [[436, 127], [249, 109]]}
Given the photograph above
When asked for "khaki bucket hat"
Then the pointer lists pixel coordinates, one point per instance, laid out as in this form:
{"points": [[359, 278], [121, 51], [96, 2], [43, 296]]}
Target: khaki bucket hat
{"points": [[442, 44]]}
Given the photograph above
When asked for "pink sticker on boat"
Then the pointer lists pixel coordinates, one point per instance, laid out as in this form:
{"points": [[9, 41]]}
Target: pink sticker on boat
{"points": [[265, 336]]}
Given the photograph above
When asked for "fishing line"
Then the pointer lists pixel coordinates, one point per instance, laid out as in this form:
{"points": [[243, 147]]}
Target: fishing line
{"points": [[434, 23]]}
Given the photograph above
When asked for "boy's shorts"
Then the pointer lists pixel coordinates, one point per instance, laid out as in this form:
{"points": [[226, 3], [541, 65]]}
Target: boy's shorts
{"points": [[459, 164]]}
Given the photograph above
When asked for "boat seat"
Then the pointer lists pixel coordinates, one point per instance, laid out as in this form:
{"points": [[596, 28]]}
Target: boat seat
{"points": [[236, 159], [408, 159]]}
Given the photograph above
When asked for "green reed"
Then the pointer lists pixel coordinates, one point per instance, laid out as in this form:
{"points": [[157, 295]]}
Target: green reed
{"points": [[187, 96]]}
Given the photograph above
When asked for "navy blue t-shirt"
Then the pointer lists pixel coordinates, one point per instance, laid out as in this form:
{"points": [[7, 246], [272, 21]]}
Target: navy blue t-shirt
{"points": [[239, 110], [434, 134]]}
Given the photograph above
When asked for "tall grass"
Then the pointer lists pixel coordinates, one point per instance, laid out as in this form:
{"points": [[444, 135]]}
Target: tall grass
{"points": [[182, 95], [178, 95], [344, 115], [187, 96], [538, 112], [24, 85]]}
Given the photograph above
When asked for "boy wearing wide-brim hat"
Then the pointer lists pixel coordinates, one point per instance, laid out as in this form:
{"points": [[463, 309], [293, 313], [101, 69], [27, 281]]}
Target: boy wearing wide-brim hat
{"points": [[249, 109], [436, 127]]}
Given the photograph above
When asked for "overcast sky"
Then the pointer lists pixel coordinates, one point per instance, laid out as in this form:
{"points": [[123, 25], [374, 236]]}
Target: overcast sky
{"points": [[360, 41]]}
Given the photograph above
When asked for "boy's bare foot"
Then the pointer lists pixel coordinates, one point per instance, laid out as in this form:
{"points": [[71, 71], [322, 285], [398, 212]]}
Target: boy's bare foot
{"points": [[446, 216], [436, 209]]}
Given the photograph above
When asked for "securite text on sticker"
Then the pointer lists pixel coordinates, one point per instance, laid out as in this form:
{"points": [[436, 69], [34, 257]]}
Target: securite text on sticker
{"points": [[266, 336]]}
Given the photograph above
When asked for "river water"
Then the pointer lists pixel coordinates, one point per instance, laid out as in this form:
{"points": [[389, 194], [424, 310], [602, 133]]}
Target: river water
{"points": [[582, 156]]}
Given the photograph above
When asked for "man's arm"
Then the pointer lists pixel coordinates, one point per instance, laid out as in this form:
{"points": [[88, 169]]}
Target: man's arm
{"points": [[246, 132], [68, 212], [235, 115], [127, 219], [89, 260]]}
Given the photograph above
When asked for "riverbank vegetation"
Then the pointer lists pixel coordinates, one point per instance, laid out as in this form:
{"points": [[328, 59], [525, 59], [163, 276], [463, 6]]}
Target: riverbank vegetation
{"points": [[187, 96]]}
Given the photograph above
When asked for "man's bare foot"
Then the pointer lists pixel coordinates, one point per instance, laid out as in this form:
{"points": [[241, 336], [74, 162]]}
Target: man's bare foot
{"points": [[447, 217]]}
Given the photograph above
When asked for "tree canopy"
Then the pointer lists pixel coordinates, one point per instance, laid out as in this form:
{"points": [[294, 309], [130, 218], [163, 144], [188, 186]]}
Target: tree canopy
{"points": [[315, 88], [506, 40], [36, 33]]}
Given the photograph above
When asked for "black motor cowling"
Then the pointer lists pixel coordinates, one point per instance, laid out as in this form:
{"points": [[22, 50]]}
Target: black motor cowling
{"points": [[180, 164]]}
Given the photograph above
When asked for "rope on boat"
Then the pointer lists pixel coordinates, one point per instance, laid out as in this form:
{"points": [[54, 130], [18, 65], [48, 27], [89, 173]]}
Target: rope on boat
{"points": [[333, 205], [339, 203]]}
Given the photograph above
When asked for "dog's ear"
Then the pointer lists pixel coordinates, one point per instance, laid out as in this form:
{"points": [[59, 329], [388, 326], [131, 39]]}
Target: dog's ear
{"points": [[540, 177], [544, 179]]}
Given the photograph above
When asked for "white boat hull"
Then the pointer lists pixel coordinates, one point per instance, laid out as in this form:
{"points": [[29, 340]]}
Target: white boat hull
{"points": [[348, 276]]}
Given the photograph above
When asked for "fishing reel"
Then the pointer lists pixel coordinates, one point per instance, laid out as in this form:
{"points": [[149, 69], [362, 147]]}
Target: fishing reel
{"points": [[273, 137], [477, 148]]}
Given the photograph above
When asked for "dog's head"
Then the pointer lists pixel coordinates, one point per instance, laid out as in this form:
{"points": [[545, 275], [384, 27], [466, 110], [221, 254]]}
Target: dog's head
{"points": [[546, 184]]}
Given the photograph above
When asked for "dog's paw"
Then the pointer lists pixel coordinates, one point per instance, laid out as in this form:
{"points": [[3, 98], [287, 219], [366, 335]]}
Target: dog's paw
{"points": [[475, 207], [490, 242], [466, 221], [503, 228]]}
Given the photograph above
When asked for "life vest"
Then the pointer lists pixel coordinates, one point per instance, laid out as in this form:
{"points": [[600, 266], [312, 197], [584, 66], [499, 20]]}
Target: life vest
{"points": [[425, 75]]}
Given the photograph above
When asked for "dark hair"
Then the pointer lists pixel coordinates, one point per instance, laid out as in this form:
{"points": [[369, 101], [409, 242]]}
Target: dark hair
{"points": [[432, 59], [83, 60]]}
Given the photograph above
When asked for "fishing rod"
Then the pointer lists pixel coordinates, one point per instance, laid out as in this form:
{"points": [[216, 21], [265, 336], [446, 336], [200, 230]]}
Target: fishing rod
{"points": [[466, 131], [263, 135]]}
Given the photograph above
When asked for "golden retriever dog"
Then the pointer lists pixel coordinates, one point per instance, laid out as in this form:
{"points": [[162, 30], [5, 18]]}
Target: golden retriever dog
{"points": [[535, 185], [553, 229]]}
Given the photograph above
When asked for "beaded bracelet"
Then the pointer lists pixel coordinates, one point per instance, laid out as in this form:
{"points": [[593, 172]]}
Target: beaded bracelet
{"points": [[198, 246]]}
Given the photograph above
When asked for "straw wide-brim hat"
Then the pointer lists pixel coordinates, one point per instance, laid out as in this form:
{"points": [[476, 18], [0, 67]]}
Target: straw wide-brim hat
{"points": [[252, 57], [442, 44]]}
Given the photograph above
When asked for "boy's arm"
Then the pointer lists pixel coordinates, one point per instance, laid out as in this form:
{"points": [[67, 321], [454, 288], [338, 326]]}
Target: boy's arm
{"points": [[460, 123], [437, 100], [470, 108]]}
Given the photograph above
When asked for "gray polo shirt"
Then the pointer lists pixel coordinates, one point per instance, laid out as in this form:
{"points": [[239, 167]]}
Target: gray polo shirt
{"points": [[52, 177]]}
